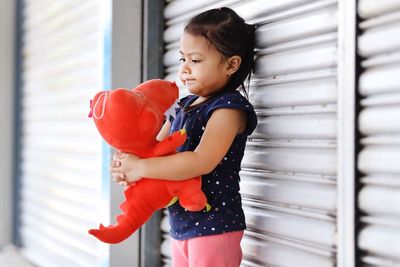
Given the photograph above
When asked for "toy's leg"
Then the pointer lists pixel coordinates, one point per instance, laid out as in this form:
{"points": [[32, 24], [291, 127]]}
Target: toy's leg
{"points": [[169, 144], [191, 197]]}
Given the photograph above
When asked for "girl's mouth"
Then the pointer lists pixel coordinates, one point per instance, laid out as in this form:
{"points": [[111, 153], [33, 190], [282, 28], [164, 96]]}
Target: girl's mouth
{"points": [[189, 81]]}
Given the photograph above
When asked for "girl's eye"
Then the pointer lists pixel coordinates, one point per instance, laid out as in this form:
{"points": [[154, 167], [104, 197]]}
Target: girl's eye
{"points": [[194, 61]]}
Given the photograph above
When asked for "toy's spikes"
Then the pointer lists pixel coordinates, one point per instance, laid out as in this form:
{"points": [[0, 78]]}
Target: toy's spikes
{"points": [[120, 218]]}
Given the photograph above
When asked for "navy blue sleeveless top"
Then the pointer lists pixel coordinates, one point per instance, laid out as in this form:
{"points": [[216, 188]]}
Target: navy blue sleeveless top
{"points": [[221, 186]]}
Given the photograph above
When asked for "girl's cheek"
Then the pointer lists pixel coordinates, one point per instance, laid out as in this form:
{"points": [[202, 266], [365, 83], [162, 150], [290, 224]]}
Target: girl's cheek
{"points": [[182, 81]]}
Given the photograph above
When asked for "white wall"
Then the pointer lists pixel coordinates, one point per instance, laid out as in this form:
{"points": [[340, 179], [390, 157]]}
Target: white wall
{"points": [[7, 30]]}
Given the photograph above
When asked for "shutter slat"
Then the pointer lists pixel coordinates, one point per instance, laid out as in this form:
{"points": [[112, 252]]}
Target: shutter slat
{"points": [[304, 26], [296, 61], [380, 80], [317, 126], [302, 160], [290, 193], [306, 93], [293, 227], [281, 254]]}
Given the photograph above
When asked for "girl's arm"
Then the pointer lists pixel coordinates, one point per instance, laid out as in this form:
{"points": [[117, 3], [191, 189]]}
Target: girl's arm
{"points": [[120, 177], [221, 130], [164, 132]]}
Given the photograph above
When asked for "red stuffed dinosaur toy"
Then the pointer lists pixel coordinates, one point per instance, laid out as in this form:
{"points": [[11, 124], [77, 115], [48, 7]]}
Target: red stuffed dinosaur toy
{"points": [[129, 120]]}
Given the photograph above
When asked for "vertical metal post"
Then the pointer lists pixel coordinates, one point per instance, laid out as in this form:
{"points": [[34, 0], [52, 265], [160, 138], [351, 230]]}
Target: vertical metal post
{"points": [[16, 155], [346, 127], [153, 49]]}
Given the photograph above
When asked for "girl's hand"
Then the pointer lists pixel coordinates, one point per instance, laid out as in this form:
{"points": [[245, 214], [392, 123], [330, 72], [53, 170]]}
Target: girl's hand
{"points": [[123, 168]]}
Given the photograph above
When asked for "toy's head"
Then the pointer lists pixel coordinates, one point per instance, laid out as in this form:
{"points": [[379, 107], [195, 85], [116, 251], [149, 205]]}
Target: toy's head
{"points": [[130, 120]]}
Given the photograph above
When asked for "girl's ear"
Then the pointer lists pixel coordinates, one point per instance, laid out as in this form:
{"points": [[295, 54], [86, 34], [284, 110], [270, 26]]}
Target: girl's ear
{"points": [[233, 64]]}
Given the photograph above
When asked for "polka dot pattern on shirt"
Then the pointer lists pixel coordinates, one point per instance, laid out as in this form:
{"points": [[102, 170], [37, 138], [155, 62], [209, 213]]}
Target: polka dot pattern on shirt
{"points": [[221, 186]]}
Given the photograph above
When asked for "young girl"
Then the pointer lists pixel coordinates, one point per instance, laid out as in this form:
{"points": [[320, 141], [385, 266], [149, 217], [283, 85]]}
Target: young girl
{"points": [[217, 54]]}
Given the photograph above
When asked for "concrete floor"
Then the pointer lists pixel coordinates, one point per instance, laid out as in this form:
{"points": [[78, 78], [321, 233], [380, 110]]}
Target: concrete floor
{"points": [[10, 257]]}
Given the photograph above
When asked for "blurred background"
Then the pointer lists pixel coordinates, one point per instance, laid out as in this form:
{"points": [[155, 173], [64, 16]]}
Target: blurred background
{"points": [[321, 173]]}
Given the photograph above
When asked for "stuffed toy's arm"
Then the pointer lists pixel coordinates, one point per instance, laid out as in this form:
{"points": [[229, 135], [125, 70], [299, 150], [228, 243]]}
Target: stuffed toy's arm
{"points": [[170, 143]]}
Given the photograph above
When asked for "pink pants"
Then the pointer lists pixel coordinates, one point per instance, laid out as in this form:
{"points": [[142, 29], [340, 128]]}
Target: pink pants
{"points": [[215, 250]]}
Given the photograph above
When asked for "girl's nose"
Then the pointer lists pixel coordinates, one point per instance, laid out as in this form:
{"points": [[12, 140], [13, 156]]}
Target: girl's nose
{"points": [[184, 68]]}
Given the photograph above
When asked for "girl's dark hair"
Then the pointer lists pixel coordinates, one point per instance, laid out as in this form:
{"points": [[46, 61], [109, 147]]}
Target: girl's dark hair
{"points": [[230, 35]]}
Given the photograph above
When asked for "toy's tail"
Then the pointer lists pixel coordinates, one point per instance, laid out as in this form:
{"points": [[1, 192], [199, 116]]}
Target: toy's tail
{"points": [[115, 233], [135, 213], [127, 222]]}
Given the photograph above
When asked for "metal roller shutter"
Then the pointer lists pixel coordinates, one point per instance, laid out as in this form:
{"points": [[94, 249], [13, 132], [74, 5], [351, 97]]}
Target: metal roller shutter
{"points": [[289, 170], [379, 124], [61, 152]]}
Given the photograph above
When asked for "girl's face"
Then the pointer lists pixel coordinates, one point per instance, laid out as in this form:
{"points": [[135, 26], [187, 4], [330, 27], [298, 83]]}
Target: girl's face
{"points": [[203, 69]]}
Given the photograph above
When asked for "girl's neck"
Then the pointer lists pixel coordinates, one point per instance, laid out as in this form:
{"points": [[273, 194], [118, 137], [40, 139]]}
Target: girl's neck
{"points": [[199, 100], [196, 103]]}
